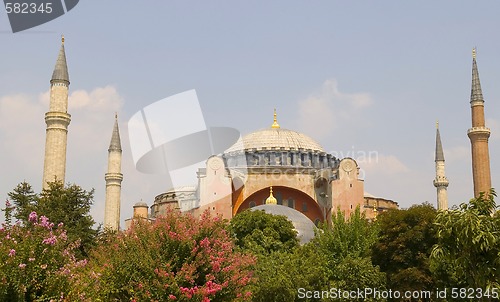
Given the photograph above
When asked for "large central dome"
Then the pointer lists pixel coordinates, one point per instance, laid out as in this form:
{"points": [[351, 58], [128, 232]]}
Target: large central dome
{"points": [[275, 139]]}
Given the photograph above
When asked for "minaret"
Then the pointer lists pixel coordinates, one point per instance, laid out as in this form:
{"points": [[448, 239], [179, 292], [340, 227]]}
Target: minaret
{"points": [[57, 120], [440, 182], [113, 179], [479, 135]]}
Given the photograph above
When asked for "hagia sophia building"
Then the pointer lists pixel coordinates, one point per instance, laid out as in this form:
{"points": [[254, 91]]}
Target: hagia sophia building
{"points": [[273, 165]]}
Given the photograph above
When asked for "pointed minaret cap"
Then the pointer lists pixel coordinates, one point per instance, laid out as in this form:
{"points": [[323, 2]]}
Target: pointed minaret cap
{"points": [[60, 73], [476, 94], [439, 146], [115, 144]]}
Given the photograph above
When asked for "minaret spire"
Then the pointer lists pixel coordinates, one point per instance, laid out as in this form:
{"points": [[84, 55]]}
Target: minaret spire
{"points": [[57, 120], [439, 147], [440, 182], [60, 73], [115, 144], [113, 179], [479, 135]]}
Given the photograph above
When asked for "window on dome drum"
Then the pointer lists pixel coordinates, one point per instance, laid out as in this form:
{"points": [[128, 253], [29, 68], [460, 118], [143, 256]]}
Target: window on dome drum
{"points": [[279, 198], [251, 204], [317, 221], [304, 206], [291, 203]]}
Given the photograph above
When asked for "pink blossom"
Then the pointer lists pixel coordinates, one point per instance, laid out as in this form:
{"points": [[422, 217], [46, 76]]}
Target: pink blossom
{"points": [[172, 297], [51, 240], [12, 253], [43, 266], [22, 265], [33, 217], [44, 221], [31, 259]]}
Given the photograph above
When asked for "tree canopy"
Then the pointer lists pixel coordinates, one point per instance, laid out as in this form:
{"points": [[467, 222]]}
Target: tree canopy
{"points": [[403, 247], [69, 205], [468, 243]]}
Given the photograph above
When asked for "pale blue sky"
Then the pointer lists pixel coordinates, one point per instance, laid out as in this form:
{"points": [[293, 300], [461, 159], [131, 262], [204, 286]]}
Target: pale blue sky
{"points": [[357, 76]]}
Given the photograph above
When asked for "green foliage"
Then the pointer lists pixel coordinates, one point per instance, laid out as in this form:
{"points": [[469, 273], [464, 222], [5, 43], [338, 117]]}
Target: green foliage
{"points": [[24, 199], [263, 233], [177, 257], [346, 247], [352, 237], [69, 205], [283, 266], [404, 245], [281, 274], [469, 243]]}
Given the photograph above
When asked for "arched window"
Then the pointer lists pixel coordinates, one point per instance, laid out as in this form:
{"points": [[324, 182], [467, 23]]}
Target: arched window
{"points": [[317, 221], [279, 198], [251, 204], [304, 206], [291, 203]]}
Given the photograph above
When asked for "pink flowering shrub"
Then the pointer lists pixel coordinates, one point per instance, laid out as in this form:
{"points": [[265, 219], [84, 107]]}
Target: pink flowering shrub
{"points": [[32, 260], [176, 258]]}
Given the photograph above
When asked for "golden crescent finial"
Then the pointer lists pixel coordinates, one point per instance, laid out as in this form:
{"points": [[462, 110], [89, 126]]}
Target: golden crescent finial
{"points": [[62, 39], [271, 199], [437, 124], [116, 115], [474, 50], [275, 123]]}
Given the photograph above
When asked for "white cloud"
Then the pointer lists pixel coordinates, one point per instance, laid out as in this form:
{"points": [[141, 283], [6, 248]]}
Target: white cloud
{"points": [[381, 166], [331, 108]]}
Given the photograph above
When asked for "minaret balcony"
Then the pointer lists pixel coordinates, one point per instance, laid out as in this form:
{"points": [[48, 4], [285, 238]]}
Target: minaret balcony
{"points": [[441, 182], [484, 131]]}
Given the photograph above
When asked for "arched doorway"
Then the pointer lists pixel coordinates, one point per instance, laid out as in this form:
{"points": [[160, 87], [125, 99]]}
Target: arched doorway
{"points": [[285, 196]]}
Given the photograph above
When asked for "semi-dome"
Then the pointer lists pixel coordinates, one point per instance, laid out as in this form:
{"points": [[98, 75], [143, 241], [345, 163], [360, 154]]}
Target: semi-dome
{"points": [[304, 226], [275, 139]]}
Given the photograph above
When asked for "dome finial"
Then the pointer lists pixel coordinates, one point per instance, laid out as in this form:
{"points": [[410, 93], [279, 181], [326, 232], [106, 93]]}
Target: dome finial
{"points": [[437, 124], [474, 53], [271, 199], [275, 124], [62, 39]]}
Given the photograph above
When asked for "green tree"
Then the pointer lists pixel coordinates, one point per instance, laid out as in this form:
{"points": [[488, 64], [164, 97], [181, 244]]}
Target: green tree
{"points": [[347, 249], [281, 274], [263, 233], [403, 247], [25, 200], [69, 205], [469, 243], [283, 266]]}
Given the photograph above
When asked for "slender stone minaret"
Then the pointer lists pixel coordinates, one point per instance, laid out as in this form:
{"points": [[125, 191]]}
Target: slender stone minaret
{"points": [[479, 135], [440, 182], [57, 120], [113, 179]]}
